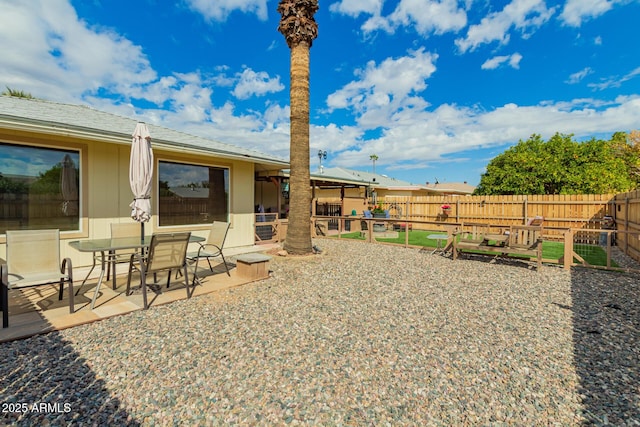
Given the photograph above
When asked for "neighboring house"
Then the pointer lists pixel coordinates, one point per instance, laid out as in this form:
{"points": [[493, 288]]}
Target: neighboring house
{"points": [[351, 189], [67, 166], [340, 182], [329, 179], [450, 188]]}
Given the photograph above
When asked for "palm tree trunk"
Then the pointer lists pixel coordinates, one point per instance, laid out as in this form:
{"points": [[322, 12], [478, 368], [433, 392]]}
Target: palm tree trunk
{"points": [[298, 240]]}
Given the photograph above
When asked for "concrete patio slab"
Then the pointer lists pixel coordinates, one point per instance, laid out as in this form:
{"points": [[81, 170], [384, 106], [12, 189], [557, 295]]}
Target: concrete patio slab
{"points": [[34, 311]]}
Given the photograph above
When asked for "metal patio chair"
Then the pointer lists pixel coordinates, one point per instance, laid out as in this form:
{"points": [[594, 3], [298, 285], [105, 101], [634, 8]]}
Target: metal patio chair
{"points": [[120, 230], [167, 252], [212, 248], [33, 259]]}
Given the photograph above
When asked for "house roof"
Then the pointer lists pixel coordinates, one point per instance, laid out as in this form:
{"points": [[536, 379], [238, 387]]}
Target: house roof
{"points": [[363, 178], [46, 117], [384, 182], [191, 192], [451, 187]]}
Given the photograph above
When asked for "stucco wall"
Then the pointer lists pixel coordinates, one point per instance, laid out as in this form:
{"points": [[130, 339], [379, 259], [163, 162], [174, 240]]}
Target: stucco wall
{"points": [[106, 194]]}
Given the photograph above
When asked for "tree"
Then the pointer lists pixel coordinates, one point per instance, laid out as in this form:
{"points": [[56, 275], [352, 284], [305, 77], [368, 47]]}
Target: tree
{"points": [[299, 28], [48, 182], [629, 149], [562, 166]]}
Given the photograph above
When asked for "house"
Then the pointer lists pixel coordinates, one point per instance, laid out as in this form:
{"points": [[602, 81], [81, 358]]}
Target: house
{"points": [[339, 191], [450, 188], [357, 182], [332, 183], [67, 166]]}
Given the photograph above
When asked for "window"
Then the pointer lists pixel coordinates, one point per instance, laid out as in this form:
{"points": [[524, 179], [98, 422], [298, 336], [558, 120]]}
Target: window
{"points": [[192, 194], [39, 188]]}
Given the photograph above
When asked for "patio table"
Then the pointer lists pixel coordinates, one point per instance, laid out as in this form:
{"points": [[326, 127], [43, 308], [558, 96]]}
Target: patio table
{"points": [[101, 247], [438, 237]]}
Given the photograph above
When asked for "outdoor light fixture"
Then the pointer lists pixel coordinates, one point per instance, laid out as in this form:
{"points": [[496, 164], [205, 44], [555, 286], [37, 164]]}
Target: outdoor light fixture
{"points": [[322, 155]]}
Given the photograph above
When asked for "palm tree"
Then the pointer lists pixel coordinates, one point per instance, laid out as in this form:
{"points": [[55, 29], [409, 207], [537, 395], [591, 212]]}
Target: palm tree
{"points": [[17, 93], [299, 29], [374, 157]]}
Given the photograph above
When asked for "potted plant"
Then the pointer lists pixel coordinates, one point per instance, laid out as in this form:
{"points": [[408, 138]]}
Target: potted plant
{"points": [[378, 212], [446, 208]]}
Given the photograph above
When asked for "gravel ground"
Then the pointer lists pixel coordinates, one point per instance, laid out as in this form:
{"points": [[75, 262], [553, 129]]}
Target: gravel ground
{"points": [[358, 335]]}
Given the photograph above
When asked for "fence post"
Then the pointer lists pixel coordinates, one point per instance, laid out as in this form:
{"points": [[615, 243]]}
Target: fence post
{"points": [[568, 249], [609, 248], [626, 223]]}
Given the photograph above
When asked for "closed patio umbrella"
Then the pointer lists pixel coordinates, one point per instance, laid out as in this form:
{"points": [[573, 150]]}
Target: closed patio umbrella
{"points": [[141, 175], [69, 186]]}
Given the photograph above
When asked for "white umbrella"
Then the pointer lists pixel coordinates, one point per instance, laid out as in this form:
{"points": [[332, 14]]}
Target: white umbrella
{"points": [[140, 175], [69, 187]]}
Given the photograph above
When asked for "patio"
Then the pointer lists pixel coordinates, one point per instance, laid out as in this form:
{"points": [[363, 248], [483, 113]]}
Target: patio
{"points": [[37, 310]]}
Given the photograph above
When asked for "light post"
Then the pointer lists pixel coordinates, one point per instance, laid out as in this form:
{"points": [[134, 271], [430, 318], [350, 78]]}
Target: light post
{"points": [[322, 155]]}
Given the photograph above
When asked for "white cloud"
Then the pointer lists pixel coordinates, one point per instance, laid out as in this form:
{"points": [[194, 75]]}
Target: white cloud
{"points": [[426, 16], [579, 76], [334, 138], [434, 136], [615, 81], [219, 10], [438, 17], [513, 60], [251, 83], [576, 11], [385, 88], [48, 52], [523, 15], [356, 7]]}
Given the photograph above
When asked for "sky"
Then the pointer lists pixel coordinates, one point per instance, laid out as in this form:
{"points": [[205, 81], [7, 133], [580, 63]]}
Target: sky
{"points": [[434, 88]]}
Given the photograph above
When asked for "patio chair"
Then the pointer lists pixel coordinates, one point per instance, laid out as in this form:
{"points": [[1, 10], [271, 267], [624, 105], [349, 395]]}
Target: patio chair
{"points": [[33, 259], [167, 252], [120, 230], [211, 248]]}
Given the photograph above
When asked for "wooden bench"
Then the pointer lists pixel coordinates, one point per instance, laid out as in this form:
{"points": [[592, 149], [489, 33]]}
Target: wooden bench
{"points": [[518, 240], [253, 266]]}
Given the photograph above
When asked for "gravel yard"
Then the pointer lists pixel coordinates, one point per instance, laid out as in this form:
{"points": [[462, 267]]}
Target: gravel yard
{"points": [[361, 334]]}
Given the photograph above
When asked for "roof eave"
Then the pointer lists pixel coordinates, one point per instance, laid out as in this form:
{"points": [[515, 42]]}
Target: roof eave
{"points": [[70, 131]]}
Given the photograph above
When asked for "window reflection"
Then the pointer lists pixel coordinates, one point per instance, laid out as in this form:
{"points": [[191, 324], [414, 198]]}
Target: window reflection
{"points": [[192, 194], [39, 188]]}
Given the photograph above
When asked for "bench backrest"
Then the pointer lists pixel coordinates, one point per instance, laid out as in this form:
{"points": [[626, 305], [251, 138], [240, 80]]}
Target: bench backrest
{"points": [[524, 236], [474, 232]]}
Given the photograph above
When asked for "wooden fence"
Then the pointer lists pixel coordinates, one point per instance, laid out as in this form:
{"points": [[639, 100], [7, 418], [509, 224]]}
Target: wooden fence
{"points": [[627, 217], [560, 212], [584, 212]]}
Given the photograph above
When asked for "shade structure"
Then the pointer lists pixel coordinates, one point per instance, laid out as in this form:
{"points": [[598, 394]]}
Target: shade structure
{"points": [[141, 175], [69, 187]]}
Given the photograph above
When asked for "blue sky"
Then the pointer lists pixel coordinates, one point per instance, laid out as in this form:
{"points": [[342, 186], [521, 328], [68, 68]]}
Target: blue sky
{"points": [[435, 89]]}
